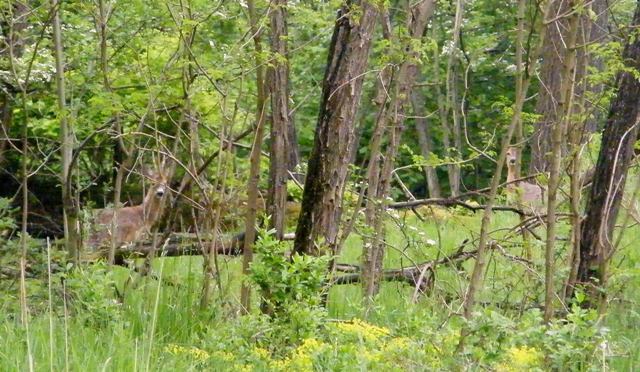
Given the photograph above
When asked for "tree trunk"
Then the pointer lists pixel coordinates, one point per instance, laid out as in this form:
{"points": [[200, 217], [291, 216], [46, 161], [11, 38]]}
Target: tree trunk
{"points": [[329, 161], [558, 135], [446, 105], [280, 159], [616, 153], [555, 49], [550, 86], [591, 31], [256, 153], [70, 204], [418, 16], [426, 142]]}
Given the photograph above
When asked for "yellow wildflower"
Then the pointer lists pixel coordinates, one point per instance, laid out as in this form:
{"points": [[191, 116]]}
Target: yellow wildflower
{"points": [[368, 332], [223, 355], [261, 353], [521, 358], [192, 352]]}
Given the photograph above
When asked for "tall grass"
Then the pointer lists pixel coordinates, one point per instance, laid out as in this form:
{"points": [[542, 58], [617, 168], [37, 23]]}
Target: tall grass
{"points": [[163, 310]]}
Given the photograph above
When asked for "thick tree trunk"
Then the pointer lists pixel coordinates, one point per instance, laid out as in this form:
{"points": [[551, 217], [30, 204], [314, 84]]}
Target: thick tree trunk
{"points": [[615, 156], [281, 156], [329, 161], [550, 86], [555, 49]]}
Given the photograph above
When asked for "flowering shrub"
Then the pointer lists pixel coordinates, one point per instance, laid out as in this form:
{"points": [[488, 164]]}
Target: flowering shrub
{"points": [[257, 342]]}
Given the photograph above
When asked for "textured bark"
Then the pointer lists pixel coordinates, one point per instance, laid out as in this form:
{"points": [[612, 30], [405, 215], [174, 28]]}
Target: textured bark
{"points": [[280, 158], [558, 136], [550, 86], [256, 153], [616, 153], [393, 124], [329, 161]]}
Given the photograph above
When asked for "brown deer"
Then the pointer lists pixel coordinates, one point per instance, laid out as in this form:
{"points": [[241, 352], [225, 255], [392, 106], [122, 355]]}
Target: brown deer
{"points": [[527, 193], [134, 222]]}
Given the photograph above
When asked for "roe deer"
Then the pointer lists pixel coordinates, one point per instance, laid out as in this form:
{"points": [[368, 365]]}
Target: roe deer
{"points": [[131, 223], [528, 193]]}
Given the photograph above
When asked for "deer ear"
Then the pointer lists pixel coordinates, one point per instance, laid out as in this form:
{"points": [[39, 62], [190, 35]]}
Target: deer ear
{"points": [[148, 172]]}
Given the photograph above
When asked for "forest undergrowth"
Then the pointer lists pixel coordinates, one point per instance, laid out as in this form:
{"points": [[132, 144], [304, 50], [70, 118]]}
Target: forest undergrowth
{"points": [[97, 318]]}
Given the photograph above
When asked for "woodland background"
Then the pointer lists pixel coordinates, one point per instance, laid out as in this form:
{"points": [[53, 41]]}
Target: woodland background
{"points": [[337, 175]]}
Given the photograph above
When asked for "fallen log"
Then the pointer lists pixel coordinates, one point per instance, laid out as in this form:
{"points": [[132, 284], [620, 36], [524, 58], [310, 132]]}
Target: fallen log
{"points": [[453, 202], [414, 275], [178, 245]]}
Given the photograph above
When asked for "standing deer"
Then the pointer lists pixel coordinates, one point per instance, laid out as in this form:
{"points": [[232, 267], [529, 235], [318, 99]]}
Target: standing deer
{"points": [[134, 222], [527, 193]]}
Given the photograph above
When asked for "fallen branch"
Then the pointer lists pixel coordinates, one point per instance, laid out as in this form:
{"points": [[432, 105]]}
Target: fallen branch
{"points": [[452, 202]]}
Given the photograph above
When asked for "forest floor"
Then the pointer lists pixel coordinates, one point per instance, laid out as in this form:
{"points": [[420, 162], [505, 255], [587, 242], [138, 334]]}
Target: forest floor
{"points": [[84, 327]]}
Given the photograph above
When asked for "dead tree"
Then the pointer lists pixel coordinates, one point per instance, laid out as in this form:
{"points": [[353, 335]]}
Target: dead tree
{"points": [[329, 161]]}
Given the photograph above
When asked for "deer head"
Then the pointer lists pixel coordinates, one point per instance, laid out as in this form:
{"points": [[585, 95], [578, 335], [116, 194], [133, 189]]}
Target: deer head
{"points": [[512, 156]]}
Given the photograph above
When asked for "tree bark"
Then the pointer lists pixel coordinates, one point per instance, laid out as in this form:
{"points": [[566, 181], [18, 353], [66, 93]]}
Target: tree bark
{"points": [[328, 165], [281, 157], [550, 86], [256, 153], [555, 49], [616, 153], [558, 135]]}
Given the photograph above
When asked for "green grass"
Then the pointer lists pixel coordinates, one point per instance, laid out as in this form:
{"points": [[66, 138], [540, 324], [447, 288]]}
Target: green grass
{"points": [[155, 315]]}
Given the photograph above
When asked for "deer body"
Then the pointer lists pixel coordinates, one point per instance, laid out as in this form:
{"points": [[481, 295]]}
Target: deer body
{"points": [[131, 223], [528, 193]]}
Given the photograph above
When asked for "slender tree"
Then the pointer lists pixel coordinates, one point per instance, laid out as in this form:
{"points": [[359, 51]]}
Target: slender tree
{"points": [[256, 153], [476, 280], [559, 129], [11, 46], [70, 205], [380, 178]]}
